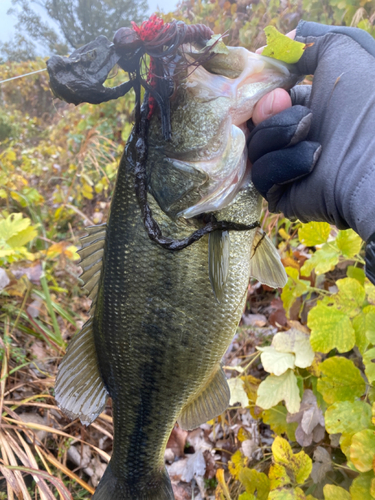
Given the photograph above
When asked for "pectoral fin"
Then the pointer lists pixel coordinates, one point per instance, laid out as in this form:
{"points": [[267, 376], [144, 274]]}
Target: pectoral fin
{"points": [[265, 262], [79, 388], [91, 254], [208, 404], [218, 261]]}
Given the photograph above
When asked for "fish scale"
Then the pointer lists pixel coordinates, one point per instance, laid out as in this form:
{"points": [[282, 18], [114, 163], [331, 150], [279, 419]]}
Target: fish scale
{"points": [[154, 349]]}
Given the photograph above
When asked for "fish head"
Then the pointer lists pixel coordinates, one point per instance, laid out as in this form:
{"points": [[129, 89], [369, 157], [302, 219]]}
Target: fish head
{"points": [[204, 165]]}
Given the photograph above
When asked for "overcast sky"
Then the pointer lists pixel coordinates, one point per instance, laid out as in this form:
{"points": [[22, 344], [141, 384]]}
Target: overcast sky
{"points": [[7, 22]]}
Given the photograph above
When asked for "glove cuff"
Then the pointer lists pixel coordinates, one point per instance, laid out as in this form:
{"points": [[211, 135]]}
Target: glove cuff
{"points": [[370, 259]]}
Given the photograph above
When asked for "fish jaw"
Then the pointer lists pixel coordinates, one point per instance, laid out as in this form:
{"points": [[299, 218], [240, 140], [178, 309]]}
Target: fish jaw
{"points": [[252, 76]]}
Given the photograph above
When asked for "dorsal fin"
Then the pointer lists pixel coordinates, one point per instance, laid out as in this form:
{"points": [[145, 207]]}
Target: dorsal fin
{"points": [[265, 262]]}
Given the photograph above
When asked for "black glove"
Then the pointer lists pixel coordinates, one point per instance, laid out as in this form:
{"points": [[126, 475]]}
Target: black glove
{"points": [[336, 112]]}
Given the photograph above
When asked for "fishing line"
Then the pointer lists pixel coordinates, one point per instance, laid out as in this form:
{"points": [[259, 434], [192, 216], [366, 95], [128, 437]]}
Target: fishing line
{"points": [[21, 76]]}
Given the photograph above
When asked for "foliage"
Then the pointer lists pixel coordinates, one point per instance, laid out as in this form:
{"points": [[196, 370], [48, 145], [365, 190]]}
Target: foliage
{"points": [[244, 20], [78, 22]]}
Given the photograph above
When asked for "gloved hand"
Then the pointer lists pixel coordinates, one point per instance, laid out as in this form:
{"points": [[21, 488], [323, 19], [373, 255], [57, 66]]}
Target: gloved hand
{"points": [[316, 160]]}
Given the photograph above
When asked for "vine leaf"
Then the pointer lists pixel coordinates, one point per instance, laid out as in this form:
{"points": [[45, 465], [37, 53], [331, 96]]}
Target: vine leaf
{"points": [[348, 417], [322, 261], [341, 380], [369, 362], [275, 389], [274, 361], [349, 243], [294, 288], [362, 450], [296, 342], [288, 468], [330, 328], [361, 487], [314, 233], [276, 418], [255, 481], [332, 492]]}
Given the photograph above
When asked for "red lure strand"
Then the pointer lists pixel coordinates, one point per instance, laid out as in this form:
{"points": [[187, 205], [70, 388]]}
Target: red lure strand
{"points": [[149, 29], [147, 32], [154, 35]]}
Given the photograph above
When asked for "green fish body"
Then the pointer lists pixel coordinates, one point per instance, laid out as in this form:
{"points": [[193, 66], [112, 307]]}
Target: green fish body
{"points": [[162, 320]]}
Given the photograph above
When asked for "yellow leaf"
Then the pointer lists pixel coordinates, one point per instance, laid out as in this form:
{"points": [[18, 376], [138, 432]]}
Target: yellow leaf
{"points": [[237, 463], [243, 434], [282, 451], [298, 466], [314, 233], [71, 252], [278, 476], [222, 484], [282, 47]]}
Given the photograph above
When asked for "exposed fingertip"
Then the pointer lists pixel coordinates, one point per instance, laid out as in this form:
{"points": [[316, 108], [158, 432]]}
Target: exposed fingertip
{"points": [[270, 105]]}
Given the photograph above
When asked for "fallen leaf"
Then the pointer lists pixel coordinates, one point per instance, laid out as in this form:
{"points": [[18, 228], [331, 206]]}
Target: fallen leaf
{"points": [[4, 280], [254, 319], [177, 441], [322, 464]]}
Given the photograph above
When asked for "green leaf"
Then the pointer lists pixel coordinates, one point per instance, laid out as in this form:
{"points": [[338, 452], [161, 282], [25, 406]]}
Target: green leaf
{"points": [[237, 392], [314, 233], [348, 417], [246, 496], [217, 44], [282, 47], [293, 289], [287, 494], [330, 328], [255, 481], [362, 450], [275, 389], [350, 296], [359, 325], [369, 312], [296, 342], [276, 362], [369, 362], [370, 291], [349, 243], [276, 418], [322, 261], [341, 380], [332, 492], [361, 487], [356, 273]]}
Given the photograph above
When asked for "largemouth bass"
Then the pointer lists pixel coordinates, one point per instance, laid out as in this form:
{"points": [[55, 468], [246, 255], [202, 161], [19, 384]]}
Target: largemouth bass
{"points": [[162, 320]]}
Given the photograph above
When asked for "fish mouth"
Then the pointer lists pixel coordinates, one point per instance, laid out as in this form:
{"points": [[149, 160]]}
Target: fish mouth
{"points": [[239, 79]]}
